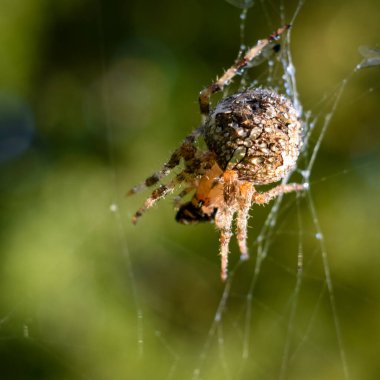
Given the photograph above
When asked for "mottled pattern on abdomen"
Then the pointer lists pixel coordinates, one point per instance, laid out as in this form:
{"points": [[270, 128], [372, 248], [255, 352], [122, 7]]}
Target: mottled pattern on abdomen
{"points": [[257, 133]]}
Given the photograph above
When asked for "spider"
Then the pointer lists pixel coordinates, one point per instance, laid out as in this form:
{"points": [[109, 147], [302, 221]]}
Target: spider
{"points": [[253, 138]]}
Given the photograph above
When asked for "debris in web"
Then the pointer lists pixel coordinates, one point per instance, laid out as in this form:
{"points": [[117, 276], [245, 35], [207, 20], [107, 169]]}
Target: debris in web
{"points": [[371, 57]]}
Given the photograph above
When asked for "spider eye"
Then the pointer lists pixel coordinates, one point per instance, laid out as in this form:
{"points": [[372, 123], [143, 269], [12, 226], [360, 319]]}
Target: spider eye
{"points": [[191, 214]]}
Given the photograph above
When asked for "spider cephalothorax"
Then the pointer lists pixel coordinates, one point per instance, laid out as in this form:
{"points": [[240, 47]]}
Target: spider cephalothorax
{"points": [[253, 138]]}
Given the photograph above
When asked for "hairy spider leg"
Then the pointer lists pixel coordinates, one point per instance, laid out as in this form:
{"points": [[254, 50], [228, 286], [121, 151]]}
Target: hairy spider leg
{"points": [[196, 164], [156, 195], [186, 151], [181, 195], [208, 195], [196, 169], [224, 218], [267, 196], [225, 79], [245, 202], [223, 221], [224, 215]]}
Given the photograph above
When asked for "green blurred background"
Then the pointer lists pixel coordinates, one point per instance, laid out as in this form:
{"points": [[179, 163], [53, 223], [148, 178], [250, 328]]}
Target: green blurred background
{"points": [[94, 95]]}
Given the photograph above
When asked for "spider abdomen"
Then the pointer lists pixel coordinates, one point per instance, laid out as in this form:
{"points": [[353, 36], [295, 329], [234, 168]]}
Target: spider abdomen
{"points": [[257, 133]]}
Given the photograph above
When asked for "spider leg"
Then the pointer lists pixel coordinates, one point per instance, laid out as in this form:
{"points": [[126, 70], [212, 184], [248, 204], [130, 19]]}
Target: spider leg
{"points": [[225, 79], [199, 170], [181, 195], [245, 202], [223, 221], [224, 217], [186, 150], [156, 195], [266, 197]]}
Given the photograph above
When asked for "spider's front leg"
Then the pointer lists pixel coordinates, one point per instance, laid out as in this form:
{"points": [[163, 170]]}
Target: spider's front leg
{"points": [[225, 79], [181, 195], [156, 195], [186, 151], [189, 153]]}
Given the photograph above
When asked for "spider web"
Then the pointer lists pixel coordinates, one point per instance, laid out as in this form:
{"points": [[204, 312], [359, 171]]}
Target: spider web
{"points": [[87, 295]]}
